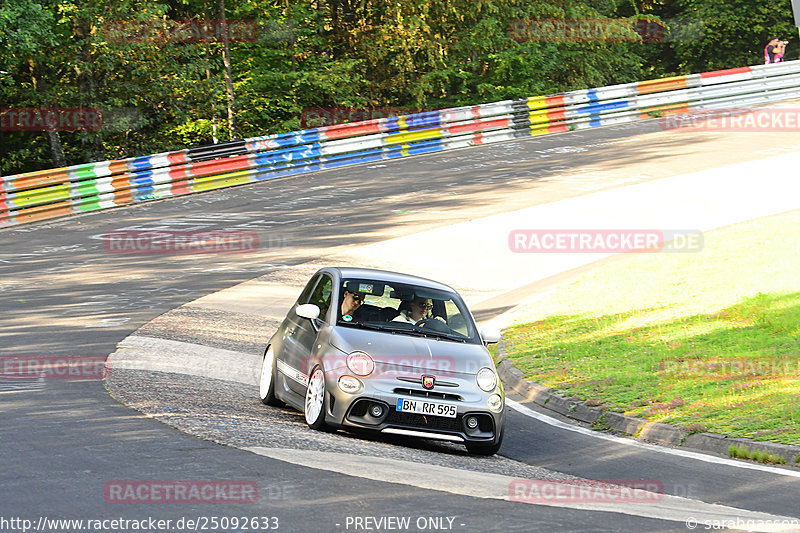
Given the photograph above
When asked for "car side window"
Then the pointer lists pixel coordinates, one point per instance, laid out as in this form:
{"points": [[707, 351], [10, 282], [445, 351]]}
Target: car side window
{"points": [[455, 320], [306, 294], [321, 297]]}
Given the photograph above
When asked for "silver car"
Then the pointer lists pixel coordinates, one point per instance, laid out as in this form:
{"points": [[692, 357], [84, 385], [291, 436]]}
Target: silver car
{"points": [[365, 349]]}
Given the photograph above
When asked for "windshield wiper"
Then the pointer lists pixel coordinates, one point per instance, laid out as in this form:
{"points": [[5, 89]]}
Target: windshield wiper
{"points": [[401, 330], [451, 337], [364, 325], [414, 332]]}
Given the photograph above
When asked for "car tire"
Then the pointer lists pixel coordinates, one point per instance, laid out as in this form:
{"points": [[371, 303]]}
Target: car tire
{"points": [[314, 405], [266, 381], [485, 449]]}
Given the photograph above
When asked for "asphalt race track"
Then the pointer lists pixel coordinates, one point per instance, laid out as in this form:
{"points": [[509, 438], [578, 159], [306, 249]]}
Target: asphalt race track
{"points": [[63, 441]]}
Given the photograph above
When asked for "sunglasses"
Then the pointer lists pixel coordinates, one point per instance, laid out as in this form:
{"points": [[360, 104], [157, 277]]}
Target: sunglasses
{"points": [[423, 305], [357, 297]]}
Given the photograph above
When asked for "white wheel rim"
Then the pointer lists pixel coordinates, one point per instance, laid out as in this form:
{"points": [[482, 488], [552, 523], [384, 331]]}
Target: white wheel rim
{"points": [[266, 373], [315, 394]]}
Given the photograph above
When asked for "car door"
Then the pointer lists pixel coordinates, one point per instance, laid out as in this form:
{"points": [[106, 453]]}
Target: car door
{"points": [[286, 341], [301, 335]]}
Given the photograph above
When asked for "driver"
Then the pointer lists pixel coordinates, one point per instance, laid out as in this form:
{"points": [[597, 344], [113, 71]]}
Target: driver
{"points": [[413, 311]]}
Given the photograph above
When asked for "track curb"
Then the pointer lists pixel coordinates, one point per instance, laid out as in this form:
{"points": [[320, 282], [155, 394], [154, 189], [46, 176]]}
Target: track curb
{"points": [[139, 352], [602, 420]]}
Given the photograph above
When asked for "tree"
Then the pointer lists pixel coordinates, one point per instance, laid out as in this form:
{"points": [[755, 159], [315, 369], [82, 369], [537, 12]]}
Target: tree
{"points": [[158, 90]]}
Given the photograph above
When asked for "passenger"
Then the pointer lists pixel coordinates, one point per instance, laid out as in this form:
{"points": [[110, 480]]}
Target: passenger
{"points": [[414, 310]]}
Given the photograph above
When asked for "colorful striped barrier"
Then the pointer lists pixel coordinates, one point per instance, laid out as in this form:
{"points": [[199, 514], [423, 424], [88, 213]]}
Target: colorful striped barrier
{"points": [[89, 187]]}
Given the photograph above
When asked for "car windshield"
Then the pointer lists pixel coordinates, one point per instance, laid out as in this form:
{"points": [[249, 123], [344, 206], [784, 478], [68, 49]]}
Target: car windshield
{"points": [[405, 309]]}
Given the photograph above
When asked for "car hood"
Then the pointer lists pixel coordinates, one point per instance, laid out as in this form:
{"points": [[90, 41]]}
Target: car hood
{"points": [[425, 354]]}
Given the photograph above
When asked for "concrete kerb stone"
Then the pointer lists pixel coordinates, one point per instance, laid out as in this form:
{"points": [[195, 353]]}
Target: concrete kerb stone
{"points": [[585, 413], [663, 433], [622, 423], [713, 442], [514, 379]]}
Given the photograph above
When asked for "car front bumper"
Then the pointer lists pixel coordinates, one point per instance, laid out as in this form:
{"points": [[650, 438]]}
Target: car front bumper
{"points": [[474, 421]]}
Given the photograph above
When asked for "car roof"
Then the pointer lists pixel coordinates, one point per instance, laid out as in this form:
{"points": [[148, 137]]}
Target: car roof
{"points": [[389, 277]]}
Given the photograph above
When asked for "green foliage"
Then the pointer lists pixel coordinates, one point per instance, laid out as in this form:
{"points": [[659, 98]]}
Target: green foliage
{"points": [[158, 94], [601, 424], [734, 33], [740, 452]]}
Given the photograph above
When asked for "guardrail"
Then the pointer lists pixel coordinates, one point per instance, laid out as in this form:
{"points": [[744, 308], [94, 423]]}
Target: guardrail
{"points": [[88, 187]]}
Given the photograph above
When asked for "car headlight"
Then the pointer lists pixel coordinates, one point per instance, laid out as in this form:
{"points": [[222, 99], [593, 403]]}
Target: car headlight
{"points": [[349, 384], [360, 364], [495, 403], [487, 379]]}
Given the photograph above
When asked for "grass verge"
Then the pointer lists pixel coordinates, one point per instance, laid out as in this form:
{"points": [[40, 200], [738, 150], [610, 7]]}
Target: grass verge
{"points": [[739, 452], [707, 341]]}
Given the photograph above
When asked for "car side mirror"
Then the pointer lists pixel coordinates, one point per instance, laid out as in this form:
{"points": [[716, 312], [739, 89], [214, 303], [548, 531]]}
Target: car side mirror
{"points": [[309, 311], [490, 335]]}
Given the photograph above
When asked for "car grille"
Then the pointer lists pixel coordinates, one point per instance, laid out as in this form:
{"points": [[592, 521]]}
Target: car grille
{"points": [[415, 420], [428, 394]]}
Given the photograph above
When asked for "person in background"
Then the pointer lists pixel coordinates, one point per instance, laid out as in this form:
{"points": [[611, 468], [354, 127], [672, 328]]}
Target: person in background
{"points": [[773, 52]]}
